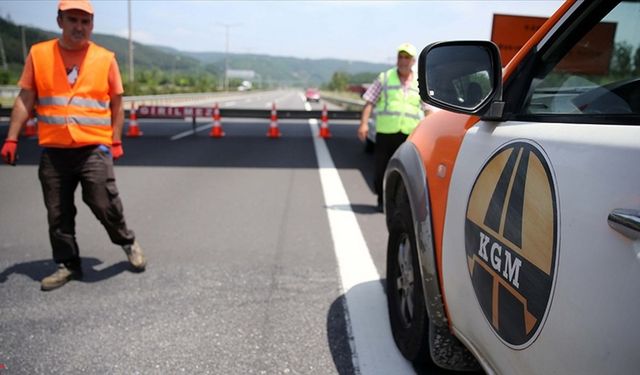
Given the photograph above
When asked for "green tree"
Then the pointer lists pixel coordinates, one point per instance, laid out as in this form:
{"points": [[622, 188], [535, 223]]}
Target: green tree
{"points": [[362, 78], [4, 77], [206, 83], [621, 60], [339, 81]]}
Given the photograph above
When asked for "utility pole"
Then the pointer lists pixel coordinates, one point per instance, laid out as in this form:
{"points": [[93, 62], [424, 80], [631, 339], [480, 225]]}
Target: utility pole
{"points": [[4, 57], [226, 55], [24, 45], [130, 48], [173, 69]]}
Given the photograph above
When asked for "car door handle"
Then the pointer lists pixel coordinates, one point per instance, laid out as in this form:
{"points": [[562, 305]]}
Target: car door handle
{"points": [[626, 221]]}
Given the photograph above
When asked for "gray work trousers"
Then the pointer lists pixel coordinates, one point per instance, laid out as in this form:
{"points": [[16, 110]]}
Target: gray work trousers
{"points": [[60, 172]]}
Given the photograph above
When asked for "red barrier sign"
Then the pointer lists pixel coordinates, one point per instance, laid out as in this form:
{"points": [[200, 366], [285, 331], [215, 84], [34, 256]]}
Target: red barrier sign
{"points": [[591, 56], [173, 112]]}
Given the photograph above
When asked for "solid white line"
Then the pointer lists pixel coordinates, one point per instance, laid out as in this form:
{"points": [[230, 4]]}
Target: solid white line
{"points": [[372, 344], [189, 132]]}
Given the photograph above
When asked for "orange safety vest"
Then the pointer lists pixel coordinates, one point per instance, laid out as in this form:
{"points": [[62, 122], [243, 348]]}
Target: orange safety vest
{"points": [[70, 117]]}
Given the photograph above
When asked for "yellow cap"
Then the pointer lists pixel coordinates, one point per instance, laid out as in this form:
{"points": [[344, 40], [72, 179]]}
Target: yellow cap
{"points": [[83, 5], [408, 48]]}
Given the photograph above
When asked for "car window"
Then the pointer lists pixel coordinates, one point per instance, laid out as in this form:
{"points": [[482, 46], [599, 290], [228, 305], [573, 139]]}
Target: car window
{"points": [[599, 75]]}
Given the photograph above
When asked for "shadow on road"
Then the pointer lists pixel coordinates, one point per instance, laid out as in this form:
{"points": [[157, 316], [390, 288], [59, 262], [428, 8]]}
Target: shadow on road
{"points": [[37, 270], [357, 208], [338, 336], [366, 297]]}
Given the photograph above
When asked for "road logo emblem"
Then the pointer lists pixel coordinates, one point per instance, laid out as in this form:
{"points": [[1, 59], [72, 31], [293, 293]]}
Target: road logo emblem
{"points": [[511, 241]]}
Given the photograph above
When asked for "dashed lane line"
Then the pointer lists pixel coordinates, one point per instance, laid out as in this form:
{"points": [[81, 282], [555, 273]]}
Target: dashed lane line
{"points": [[191, 131]]}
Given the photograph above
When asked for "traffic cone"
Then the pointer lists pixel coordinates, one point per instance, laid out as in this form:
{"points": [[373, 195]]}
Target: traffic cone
{"points": [[30, 127], [216, 130], [324, 125], [133, 130], [274, 131]]}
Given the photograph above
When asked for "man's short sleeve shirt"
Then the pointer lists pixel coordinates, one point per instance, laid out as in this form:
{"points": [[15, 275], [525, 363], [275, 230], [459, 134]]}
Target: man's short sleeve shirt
{"points": [[373, 92]]}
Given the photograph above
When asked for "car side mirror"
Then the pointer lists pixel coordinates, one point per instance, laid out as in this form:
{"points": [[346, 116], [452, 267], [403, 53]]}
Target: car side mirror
{"points": [[462, 76]]}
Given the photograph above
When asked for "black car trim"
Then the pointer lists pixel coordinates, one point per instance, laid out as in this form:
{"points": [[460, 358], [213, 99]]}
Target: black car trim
{"points": [[402, 168]]}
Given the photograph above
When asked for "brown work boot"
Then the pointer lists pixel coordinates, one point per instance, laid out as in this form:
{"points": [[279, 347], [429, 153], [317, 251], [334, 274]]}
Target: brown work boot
{"points": [[135, 256], [60, 277]]}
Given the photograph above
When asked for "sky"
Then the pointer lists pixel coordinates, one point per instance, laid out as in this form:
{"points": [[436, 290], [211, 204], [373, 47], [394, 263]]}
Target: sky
{"points": [[349, 30]]}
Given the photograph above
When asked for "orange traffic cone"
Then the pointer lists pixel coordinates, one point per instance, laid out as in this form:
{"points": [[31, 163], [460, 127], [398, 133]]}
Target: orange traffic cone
{"points": [[216, 130], [30, 128], [324, 126], [134, 130], [274, 131]]}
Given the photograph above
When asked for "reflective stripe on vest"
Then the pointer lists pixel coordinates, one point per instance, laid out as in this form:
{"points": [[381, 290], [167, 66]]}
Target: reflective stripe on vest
{"points": [[397, 111], [85, 121], [79, 102], [78, 115]]}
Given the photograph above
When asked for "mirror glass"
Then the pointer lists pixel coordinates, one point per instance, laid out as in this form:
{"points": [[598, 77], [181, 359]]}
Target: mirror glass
{"points": [[459, 75]]}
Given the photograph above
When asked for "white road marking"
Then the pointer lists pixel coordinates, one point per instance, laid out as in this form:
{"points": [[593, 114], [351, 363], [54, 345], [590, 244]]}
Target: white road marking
{"points": [[373, 348], [189, 132]]}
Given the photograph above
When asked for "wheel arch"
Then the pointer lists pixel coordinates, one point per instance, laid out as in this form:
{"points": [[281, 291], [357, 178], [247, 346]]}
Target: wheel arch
{"points": [[406, 170]]}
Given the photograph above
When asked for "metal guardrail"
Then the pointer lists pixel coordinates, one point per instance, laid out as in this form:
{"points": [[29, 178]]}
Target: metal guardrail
{"points": [[174, 97], [166, 99], [191, 99], [341, 100]]}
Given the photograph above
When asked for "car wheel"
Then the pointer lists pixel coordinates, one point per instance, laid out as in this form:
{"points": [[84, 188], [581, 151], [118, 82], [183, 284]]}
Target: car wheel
{"points": [[407, 311]]}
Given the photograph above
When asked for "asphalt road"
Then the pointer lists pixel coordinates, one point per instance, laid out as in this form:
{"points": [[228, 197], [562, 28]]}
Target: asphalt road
{"points": [[243, 276]]}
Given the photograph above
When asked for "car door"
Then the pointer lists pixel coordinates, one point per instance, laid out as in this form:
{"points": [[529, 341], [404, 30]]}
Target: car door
{"points": [[541, 264]]}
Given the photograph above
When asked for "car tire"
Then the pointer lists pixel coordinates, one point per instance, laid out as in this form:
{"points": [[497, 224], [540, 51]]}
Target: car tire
{"points": [[405, 299]]}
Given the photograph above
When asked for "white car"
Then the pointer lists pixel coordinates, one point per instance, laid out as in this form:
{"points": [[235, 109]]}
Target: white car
{"points": [[514, 213]]}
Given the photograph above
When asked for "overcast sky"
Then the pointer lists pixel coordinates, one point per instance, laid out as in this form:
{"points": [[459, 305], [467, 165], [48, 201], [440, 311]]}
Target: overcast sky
{"points": [[350, 30]]}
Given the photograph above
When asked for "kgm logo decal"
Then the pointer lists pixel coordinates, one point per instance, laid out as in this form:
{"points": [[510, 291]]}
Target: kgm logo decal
{"points": [[511, 240]]}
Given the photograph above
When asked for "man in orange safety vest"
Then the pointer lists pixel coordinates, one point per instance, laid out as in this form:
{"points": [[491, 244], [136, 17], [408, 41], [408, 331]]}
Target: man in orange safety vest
{"points": [[76, 90]]}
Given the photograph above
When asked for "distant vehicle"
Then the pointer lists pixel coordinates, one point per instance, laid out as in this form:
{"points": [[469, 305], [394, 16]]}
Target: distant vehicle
{"points": [[514, 212], [312, 95], [245, 86]]}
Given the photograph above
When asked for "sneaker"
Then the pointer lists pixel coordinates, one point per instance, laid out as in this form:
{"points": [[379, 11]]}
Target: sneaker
{"points": [[60, 277], [135, 256]]}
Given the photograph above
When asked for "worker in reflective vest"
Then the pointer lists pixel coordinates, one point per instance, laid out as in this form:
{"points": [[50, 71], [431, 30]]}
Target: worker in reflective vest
{"points": [[76, 90], [72, 116], [398, 109]]}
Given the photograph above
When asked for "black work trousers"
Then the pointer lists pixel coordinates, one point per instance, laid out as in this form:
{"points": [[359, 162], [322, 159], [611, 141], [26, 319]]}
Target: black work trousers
{"points": [[386, 145], [60, 172]]}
